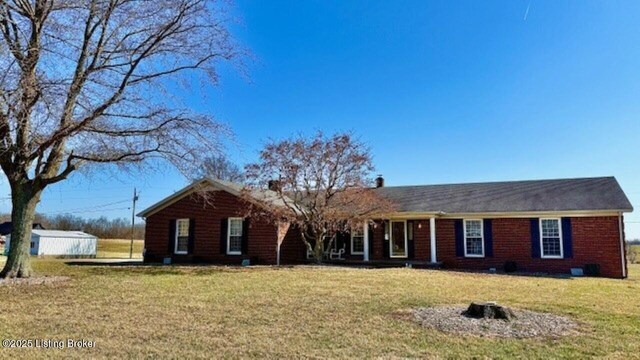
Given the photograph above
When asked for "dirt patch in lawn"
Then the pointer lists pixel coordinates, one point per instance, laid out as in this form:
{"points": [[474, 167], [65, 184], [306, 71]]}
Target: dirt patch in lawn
{"points": [[527, 324], [37, 280]]}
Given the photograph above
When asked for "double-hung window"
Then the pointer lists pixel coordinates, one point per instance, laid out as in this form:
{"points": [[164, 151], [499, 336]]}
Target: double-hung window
{"points": [[473, 238], [182, 236], [551, 238], [357, 240], [234, 236]]}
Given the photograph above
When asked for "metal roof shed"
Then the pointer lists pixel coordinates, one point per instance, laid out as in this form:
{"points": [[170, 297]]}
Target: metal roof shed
{"points": [[60, 243]]}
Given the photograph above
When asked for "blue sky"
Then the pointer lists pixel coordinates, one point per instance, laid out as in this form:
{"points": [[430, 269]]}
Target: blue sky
{"points": [[442, 91]]}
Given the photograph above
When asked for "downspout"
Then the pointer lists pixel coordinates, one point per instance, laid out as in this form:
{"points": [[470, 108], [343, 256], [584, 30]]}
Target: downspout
{"points": [[623, 254]]}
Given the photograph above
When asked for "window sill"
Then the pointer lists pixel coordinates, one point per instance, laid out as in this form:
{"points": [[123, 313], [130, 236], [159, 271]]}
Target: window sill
{"points": [[234, 253], [181, 253], [552, 257], [357, 253], [473, 256]]}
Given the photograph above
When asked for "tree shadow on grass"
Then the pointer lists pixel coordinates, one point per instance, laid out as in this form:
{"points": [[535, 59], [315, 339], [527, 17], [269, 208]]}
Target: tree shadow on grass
{"points": [[129, 268]]}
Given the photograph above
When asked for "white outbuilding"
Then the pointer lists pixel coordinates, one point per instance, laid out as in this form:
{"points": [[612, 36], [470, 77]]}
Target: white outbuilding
{"points": [[60, 243]]}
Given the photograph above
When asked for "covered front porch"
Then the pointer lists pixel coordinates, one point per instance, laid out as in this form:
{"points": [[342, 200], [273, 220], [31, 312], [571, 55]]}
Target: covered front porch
{"points": [[388, 242]]}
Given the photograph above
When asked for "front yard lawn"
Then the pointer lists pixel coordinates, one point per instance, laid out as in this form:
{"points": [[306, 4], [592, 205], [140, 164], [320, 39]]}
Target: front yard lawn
{"points": [[303, 312]]}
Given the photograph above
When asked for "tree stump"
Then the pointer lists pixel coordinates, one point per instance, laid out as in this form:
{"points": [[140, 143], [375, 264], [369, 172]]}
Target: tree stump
{"points": [[489, 310]]}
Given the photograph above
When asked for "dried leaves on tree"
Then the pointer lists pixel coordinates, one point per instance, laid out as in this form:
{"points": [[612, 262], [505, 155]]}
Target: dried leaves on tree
{"points": [[321, 185]]}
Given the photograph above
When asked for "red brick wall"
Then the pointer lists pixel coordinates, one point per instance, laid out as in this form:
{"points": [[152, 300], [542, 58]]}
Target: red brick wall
{"points": [[422, 240], [376, 243], [598, 239], [208, 215], [595, 240]]}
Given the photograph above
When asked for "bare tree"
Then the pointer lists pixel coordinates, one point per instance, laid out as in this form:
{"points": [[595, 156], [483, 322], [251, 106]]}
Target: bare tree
{"points": [[219, 167], [90, 81], [320, 185]]}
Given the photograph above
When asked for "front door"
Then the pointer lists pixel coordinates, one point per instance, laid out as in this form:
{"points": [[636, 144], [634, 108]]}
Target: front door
{"points": [[398, 241]]}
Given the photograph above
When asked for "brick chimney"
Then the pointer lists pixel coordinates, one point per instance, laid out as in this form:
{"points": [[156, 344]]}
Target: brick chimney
{"points": [[379, 181]]}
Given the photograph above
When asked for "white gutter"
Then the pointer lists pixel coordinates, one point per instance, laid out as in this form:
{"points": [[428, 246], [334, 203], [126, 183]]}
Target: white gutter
{"points": [[622, 247]]}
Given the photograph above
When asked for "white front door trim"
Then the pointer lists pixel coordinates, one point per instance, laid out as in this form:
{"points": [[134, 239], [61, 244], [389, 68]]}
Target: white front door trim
{"points": [[406, 243]]}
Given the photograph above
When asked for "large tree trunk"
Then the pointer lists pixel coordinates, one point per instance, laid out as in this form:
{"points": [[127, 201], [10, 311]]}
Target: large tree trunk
{"points": [[24, 201], [318, 251], [319, 247], [315, 247]]}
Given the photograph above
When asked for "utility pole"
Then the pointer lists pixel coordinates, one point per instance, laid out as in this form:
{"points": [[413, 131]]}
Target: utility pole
{"points": [[133, 219]]}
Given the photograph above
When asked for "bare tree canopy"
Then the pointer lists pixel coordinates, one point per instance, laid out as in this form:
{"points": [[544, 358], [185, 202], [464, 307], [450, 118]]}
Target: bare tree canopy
{"points": [[322, 185], [118, 228], [219, 167], [90, 82]]}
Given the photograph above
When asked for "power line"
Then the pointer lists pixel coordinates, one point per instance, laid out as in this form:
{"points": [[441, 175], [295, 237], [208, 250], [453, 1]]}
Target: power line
{"points": [[57, 191], [89, 208], [101, 205], [84, 211], [83, 198]]}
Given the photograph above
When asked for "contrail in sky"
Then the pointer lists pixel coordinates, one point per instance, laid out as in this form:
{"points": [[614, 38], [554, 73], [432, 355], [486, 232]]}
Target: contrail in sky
{"points": [[526, 13]]}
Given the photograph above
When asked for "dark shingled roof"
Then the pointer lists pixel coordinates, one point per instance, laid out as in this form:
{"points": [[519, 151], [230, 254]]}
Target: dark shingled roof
{"points": [[602, 193]]}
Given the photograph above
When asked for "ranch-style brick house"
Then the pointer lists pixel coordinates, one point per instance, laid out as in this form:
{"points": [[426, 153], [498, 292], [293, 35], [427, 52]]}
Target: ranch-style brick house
{"points": [[548, 226]]}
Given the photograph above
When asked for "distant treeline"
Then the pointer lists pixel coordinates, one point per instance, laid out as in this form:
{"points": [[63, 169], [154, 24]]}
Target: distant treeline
{"points": [[634, 242], [101, 227]]}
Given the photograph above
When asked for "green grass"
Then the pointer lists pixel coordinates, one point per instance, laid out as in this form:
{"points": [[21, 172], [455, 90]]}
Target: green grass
{"points": [[297, 312], [119, 248]]}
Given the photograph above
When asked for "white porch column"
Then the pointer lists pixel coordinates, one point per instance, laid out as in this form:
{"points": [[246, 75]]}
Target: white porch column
{"points": [[366, 241], [432, 228]]}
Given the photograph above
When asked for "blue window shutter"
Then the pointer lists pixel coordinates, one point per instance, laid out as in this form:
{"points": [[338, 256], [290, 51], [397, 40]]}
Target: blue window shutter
{"points": [[223, 235], [488, 237], [535, 238], [567, 240], [192, 235], [245, 237], [459, 229], [172, 235]]}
